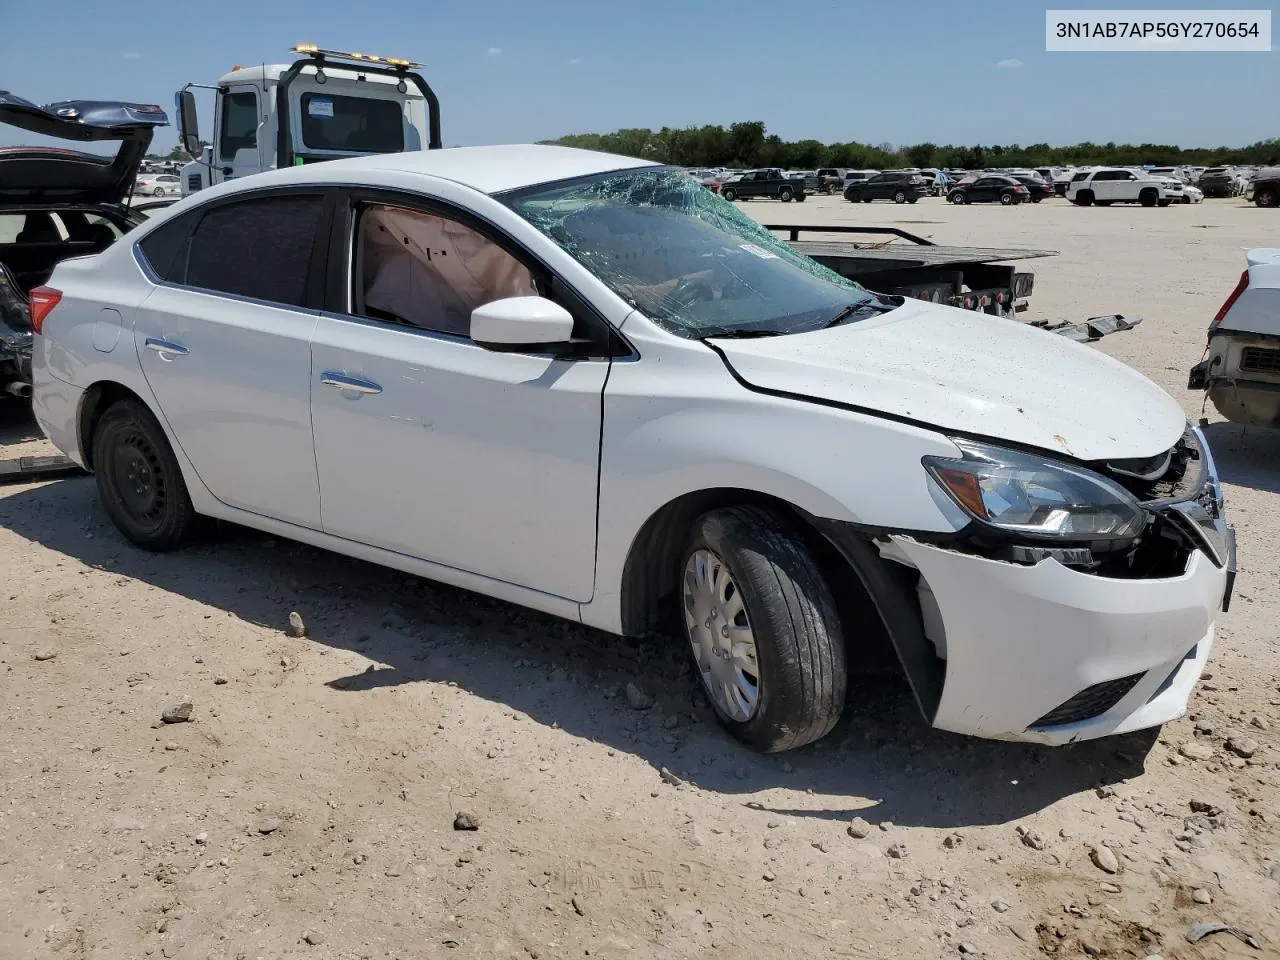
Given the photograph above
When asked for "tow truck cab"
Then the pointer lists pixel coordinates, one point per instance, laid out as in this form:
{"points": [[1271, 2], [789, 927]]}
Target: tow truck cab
{"points": [[325, 105]]}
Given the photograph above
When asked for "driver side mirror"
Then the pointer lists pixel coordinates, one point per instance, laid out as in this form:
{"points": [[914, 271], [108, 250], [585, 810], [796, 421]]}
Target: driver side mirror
{"points": [[521, 324], [188, 122]]}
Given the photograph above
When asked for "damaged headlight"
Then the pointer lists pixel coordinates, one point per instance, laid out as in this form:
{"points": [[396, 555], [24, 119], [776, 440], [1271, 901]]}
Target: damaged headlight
{"points": [[1024, 494]]}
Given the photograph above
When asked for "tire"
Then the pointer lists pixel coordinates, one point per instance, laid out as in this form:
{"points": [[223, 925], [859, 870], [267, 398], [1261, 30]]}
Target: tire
{"points": [[1148, 197], [1007, 199], [853, 196], [158, 192], [912, 199], [800, 199], [1163, 203], [957, 197], [729, 194], [785, 195], [787, 612], [130, 449], [1266, 198], [900, 197], [1103, 203], [867, 199], [1083, 198], [1036, 199]]}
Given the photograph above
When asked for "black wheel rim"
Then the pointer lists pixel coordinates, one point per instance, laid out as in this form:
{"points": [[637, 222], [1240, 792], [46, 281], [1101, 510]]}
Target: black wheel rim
{"points": [[138, 478]]}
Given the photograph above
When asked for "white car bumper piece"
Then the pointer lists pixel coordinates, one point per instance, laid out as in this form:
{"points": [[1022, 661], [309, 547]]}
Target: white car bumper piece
{"points": [[1047, 654]]}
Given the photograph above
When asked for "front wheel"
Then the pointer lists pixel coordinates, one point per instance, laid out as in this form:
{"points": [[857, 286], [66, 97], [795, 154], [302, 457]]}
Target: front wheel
{"points": [[785, 195], [1083, 198], [957, 197], [853, 196], [1148, 198], [1163, 203], [763, 629], [139, 480], [729, 194]]}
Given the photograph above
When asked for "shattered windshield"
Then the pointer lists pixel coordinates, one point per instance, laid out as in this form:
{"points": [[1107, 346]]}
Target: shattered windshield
{"points": [[690, 261]]}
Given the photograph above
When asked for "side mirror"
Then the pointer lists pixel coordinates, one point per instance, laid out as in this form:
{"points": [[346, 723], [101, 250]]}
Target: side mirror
{"points": [[188, 122], [519, 324]]}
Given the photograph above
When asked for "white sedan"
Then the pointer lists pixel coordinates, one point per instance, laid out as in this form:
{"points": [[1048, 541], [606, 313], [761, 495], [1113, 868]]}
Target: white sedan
{"points": [[585, 384], [157, 185]]}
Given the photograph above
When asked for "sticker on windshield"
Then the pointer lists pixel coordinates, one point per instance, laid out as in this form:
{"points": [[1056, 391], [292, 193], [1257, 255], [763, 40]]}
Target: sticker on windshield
{"points": [[760, 252], [320, 107]]}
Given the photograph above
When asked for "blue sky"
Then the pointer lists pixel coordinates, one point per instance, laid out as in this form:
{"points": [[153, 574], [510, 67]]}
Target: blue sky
{"points": [[515, 71]]}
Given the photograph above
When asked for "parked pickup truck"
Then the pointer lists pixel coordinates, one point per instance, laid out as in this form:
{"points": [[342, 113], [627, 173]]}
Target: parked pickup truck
{"points": [[1264, 188], [768, 182]]}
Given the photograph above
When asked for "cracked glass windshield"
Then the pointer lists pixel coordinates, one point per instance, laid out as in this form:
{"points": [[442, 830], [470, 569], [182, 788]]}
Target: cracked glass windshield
{"points": [[687, 259]]}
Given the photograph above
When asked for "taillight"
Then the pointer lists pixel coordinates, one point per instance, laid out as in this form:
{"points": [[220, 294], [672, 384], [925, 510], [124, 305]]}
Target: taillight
{"points": [[1230, 301], [41, 301]]}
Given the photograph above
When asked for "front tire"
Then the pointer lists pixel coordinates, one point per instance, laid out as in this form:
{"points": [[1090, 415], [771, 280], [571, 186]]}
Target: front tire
{"points": [[139, 480], [158, 192], [1148, 198], [1083, 198], [763, 629], [957, 197], [785, 195], [729, 194]]}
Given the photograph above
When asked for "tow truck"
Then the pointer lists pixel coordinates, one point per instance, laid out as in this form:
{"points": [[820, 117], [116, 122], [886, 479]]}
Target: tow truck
{"points": [[324, 105]]}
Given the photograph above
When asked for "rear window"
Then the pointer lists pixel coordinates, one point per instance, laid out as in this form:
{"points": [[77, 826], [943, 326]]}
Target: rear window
{"points": [[352, 124]]}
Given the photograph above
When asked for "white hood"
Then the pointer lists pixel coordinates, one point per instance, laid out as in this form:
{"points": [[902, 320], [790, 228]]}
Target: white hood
{"points": [[972, 373]]}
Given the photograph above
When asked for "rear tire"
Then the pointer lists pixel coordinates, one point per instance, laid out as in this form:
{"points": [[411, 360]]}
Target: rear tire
{"points": [[139, 480], [1083, 198], [1008, 199], [746, 575], [1266, 198], [912, 199], [785, 195], [158, 192], [900, 197]]}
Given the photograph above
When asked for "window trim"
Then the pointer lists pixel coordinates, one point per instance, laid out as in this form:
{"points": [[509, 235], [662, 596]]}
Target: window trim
{"points": [[607, 343], [314, 287]]}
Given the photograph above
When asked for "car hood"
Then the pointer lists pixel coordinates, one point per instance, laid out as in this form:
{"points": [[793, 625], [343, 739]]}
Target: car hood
{"points": [[971, 373], [59, 175]]}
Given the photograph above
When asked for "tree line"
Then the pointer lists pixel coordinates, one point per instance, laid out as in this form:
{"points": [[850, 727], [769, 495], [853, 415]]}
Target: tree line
{"points": [[750, 145]]}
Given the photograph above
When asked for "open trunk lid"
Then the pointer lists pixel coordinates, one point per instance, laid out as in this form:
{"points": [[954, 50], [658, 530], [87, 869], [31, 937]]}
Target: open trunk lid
{"points": [[40, 174]]}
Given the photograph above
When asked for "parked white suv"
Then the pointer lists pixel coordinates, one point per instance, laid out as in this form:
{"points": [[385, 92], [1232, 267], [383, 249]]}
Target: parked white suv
{"points": [[1108, 185], [586, 384]]}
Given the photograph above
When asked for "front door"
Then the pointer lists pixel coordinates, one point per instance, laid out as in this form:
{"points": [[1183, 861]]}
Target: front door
{"points": [[431, 446], [239, 150], [225, 345]]}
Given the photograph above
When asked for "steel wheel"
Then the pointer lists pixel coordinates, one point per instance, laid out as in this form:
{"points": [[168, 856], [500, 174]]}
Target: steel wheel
{"points": [[719, 631]]}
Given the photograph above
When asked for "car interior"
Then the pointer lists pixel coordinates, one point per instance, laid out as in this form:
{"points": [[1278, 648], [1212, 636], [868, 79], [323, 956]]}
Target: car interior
{"points": [[33, 242]]}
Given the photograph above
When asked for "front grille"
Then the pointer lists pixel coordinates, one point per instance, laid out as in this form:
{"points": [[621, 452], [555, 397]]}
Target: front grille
{"points": [[1260, 360], [1090, 702]]}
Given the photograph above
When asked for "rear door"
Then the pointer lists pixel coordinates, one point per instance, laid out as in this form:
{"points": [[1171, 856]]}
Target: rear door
{"points": [[225, 343]]}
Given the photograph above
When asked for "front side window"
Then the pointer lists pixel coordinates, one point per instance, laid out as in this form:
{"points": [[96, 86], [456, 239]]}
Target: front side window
{"points": [[689, 260], [352, 124], [239, 123], [430, 271], [259, 248]]}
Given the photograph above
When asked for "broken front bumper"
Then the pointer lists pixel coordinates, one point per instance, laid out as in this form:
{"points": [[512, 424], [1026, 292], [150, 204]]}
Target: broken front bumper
{"points": [[1050, 654]]}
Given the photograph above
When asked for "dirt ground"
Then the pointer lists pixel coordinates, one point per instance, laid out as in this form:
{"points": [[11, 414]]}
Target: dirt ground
{"points": [[308, 807]]}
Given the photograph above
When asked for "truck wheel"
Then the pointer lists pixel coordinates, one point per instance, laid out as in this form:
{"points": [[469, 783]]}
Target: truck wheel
{"points": [[1007, 199], [729, 194], [139, 480], [763, 629], [1084, 198], [1265, 198], [900, 197], [785, 195], [1148, 197]]}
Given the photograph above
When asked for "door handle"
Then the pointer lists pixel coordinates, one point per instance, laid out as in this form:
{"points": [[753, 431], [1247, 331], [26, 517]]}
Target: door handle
{"points": [[332, 378], [164, 347]]}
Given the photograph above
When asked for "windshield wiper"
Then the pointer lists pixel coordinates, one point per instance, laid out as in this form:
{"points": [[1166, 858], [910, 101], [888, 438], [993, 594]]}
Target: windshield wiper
{"points": [[745, 333], [869, 306]]}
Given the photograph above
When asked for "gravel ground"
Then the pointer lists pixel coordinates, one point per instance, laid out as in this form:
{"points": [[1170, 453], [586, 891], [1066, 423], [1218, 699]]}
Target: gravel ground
{"points": [[310, 805]]}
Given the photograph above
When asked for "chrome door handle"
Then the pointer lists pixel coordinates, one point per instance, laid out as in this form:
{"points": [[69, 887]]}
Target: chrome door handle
{"points": [[332, 378], [166, 346]]}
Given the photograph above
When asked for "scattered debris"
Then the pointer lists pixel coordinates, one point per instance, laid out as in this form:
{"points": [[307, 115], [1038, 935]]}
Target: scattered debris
{"points": [[1201, 895], [219, 680], [1195, 750], [1199, 931], [178, 713], [45, 653], [999, 906], [1030, 838], [313, 938], [1243, 746], [296, 627], [268, 826], [897, 851], [859, 829], [465, 821], [670, 778], [578, 906]]}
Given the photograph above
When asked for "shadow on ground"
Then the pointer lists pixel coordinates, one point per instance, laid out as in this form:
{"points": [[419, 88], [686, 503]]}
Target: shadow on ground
{"points": [[17, 425], [560, 673], [1245, 455]]}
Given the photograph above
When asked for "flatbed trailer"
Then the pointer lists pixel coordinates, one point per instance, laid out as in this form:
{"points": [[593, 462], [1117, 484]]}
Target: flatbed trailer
{"points": [[972, 278]]}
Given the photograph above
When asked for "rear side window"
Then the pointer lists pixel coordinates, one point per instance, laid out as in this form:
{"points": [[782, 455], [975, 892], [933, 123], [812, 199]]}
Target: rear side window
{"points": [[165, 248], [258, 248], [357, 124], [1079, 177]]}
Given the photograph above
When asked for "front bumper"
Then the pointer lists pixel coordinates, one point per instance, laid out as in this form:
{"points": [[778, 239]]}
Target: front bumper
{"points": [[1053, 655]]}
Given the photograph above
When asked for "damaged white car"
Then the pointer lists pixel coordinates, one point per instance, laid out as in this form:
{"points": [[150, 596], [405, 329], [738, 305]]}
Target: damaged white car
{"points": [[585, 384]]}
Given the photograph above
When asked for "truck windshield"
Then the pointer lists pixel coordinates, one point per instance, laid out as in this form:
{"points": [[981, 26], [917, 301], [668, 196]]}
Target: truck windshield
{"points": [[352, 124], [690, 261]]}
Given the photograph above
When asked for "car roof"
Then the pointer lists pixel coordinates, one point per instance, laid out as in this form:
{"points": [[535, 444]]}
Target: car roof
{"points": [[491, 169]]}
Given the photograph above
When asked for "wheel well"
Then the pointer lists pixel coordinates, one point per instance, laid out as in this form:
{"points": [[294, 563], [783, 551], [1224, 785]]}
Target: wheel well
{"points": [[97, 400], [650, 575]]}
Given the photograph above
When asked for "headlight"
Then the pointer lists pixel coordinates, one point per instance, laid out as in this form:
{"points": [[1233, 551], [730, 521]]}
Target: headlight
{"points": [[1022, 493]]}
